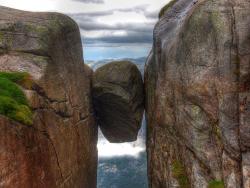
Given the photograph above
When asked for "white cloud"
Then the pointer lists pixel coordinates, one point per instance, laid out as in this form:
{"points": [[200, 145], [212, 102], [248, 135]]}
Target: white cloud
{"points": [[81, 6], [30, 5], [106, 149], [125, 149], [103, 21], [90, 1]]}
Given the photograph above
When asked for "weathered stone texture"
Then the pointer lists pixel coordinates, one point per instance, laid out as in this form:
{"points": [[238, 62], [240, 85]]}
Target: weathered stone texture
{"points": [[197, 94], [119, 100], [59, 149]]}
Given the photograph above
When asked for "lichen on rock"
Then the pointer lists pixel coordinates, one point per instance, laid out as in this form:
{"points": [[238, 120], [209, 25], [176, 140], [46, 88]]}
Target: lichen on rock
{"points": [[216, 184], [179, 173]]}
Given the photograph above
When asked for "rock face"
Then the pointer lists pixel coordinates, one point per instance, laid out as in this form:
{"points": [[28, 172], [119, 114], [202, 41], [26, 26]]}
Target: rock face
{"points": [[197, 96], [118, 100], [59, 149]]}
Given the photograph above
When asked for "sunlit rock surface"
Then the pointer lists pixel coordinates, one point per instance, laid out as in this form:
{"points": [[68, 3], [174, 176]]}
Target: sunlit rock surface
{"points": [[59, 149], [118, 100], [197, 96]]}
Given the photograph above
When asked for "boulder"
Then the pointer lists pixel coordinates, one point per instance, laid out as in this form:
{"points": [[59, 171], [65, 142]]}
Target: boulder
{"points": [[197, 95], [118, 100], [57, 148]]}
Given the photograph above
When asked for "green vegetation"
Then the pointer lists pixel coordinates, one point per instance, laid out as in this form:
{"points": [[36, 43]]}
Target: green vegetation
{"points": [[216, 184], [1, 36], [13, 102], [179, 173], [166, 7], [21, 78]]}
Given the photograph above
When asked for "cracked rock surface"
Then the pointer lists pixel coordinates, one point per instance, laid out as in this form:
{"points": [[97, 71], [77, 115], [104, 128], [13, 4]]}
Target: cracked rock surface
{"points": [[59, 149], [197, 96], [119, 100]]}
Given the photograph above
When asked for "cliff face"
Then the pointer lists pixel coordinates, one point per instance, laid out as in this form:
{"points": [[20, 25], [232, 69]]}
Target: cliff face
{"points": [[197, 95], [59, 148]]}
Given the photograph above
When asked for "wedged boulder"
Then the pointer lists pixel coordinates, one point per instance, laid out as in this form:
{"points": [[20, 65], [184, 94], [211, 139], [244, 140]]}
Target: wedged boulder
{"points": [[198, 96], [118, 100], [55, 146]]}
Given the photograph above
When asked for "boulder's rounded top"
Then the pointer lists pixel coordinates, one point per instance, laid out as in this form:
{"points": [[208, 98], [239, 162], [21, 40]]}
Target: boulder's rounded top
{"points": [[117, 72]]}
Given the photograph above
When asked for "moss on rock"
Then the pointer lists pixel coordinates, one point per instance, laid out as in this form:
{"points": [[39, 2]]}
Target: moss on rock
{"points": [[21, 78], [13, 102], [216, 184], [179, 173], [1, 37]]}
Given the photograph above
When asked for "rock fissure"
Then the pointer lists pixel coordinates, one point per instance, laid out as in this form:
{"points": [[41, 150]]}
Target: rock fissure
{"points": [[56, 155], [235, 39]]}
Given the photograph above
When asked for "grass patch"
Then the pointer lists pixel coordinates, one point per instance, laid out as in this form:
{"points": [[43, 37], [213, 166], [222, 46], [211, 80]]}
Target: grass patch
{"points": [[179, 173], [166, 7], [21, 78], [216, 184], [13, 102]]}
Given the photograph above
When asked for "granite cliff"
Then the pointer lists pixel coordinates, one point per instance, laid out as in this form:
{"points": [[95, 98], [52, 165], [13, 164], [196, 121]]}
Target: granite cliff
{"points": [[57, 146], [197, 95]]}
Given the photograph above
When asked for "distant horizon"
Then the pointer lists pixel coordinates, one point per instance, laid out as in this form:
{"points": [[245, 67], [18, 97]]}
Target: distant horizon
{"points": [[120, 52], [114, 59]]}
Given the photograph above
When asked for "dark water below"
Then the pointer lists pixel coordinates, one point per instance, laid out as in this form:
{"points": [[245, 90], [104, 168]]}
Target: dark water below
{"points": [[123, 165], [123, 172]]}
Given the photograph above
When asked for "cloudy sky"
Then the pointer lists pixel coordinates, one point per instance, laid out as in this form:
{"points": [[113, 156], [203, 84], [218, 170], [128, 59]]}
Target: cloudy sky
{"points": [[109, 28]]}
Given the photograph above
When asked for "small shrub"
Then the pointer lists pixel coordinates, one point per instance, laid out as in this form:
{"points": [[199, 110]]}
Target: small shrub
{"points": [[216, 184], [24, 114], [13, 102]]}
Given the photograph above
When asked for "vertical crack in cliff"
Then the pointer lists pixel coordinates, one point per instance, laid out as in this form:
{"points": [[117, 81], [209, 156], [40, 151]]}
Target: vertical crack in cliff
{"points": [[57, 160], [46, 134], [235, 41]]}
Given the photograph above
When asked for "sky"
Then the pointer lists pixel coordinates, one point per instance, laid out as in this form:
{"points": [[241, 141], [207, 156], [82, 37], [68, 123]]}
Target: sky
{"points": [[110, 29]]}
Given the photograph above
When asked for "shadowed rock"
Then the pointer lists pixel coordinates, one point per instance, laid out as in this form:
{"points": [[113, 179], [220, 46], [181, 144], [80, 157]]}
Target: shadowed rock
{"points": [[118, 100]]}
